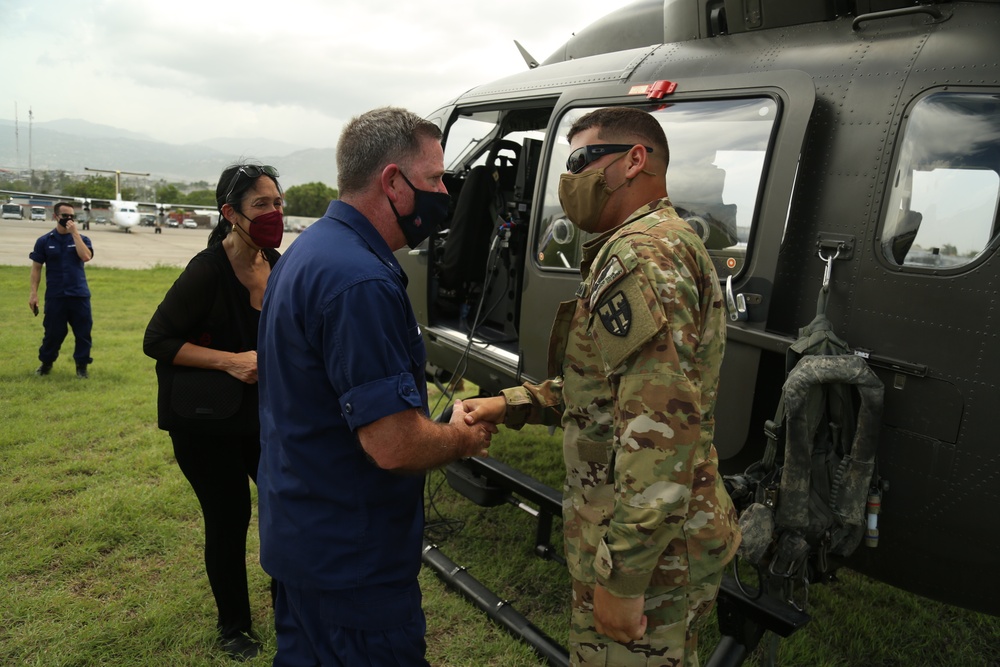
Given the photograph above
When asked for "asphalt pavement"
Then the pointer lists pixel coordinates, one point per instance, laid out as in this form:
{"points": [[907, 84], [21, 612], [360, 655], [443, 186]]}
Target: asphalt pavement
{"points": [[139, 248]]}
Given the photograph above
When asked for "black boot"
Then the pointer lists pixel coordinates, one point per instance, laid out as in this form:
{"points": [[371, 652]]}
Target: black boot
{"points": [[81, 371], [44, 369], [241, 646]]}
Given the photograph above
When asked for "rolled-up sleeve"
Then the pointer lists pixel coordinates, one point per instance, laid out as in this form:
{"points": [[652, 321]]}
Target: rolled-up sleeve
{"points": [[371, 351]]}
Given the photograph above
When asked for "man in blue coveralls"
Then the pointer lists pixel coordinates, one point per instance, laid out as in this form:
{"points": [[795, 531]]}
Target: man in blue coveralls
{"points": [[64, 251], [345, 436]]}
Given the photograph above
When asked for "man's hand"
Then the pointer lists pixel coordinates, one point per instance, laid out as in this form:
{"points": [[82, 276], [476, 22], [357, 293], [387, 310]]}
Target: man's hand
{"points": [[82, 250], [491, 409], [33, 303], [620, 619], [482, 432]]}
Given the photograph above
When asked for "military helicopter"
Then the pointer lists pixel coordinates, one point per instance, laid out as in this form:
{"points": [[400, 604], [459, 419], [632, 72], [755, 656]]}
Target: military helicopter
{"points": [[849, 144]]}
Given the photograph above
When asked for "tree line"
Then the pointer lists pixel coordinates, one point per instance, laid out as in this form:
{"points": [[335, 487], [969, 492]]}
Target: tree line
{"points": [[306, 200]]}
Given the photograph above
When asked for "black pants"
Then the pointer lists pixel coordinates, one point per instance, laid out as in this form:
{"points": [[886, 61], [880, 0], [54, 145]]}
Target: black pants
{"points": [[61, 314], [218, 467]]}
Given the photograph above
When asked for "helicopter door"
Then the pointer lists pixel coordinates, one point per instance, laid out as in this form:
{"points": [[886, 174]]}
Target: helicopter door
{"points": [[734, 148]]}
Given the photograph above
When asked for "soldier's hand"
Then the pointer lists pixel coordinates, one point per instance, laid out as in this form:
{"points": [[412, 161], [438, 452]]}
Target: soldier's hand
{"points": [[71, 227], [491, 409], [33, 303], [480, 434], [621, 619]]}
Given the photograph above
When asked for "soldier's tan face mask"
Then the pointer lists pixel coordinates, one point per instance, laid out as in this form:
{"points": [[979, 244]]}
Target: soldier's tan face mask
{"points": [[583, 196]]}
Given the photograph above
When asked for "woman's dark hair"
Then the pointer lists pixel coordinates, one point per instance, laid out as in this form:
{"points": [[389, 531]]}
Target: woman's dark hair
{"points": [[234, 182]]}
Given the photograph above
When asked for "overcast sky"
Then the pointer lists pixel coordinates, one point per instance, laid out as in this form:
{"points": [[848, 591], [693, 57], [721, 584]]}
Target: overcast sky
{"points": [[290, 70]]}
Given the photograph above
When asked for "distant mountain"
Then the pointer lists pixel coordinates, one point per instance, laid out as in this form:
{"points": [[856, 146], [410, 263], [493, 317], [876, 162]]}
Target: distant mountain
{"points": [[249, 147], [84, 128], [71, 145]]}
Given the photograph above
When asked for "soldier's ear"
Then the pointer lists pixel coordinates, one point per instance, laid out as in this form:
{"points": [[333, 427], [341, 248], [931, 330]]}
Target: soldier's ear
{"points": [[637, 160]]}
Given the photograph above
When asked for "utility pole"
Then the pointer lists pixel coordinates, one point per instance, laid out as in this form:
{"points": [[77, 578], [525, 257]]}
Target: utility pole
{"points": [[31, 171], [17, 141]]}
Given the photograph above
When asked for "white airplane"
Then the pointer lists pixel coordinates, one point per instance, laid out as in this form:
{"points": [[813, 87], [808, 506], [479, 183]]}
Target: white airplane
{"points": [[124, 214]]}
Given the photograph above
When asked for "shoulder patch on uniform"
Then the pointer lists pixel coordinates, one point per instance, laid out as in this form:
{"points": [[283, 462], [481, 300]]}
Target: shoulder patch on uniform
{"points": [[626, 321], [616, 314], [612, 272]]}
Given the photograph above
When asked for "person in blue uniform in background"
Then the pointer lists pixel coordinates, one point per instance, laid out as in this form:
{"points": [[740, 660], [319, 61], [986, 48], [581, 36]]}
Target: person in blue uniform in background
{"points": [[345, 435], [63, 251]]}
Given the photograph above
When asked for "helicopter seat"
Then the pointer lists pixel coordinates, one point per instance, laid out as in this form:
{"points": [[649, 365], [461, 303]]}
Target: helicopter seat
{"points": [[478, 211]]}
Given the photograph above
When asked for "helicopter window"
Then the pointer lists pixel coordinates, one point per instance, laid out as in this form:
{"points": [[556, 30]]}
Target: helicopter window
{"points": [[718, 150], [942, 210], [465, 137]]}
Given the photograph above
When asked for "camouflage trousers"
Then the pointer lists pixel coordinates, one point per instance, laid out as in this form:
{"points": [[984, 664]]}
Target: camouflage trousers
{"points": [[674, 618]]}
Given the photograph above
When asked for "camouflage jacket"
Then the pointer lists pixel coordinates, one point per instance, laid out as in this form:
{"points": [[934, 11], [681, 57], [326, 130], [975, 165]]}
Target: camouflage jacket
{"points": [[635, 365]]}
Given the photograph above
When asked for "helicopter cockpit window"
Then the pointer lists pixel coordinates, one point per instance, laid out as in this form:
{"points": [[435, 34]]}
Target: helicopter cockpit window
{"points": [[942, 211], [718, 149], [466, 135]]}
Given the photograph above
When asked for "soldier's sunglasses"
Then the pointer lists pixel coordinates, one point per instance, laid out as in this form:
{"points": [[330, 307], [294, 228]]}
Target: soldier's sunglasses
{"points": [[584, 155], [251, 171], [66, 217]]}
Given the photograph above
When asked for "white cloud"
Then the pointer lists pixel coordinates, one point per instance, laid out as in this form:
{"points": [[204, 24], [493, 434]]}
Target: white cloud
{"points": [[292, 70]]}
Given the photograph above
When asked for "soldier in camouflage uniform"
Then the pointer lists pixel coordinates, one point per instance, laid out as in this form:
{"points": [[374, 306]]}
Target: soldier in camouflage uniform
{"points": [[635, 363]]}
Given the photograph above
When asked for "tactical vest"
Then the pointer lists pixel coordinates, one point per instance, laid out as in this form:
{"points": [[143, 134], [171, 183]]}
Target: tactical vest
{"points": [[826, 425]]}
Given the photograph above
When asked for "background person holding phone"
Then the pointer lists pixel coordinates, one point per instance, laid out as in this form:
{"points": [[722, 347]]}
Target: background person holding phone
{"points": [[64, 251]]}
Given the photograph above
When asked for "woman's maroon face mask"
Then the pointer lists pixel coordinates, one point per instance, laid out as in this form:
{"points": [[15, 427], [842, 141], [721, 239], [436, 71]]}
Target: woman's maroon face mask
{"points": [[266, 230]]}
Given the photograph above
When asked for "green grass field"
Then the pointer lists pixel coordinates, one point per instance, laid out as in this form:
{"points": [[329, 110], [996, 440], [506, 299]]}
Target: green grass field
{"points": [[101, 536]]}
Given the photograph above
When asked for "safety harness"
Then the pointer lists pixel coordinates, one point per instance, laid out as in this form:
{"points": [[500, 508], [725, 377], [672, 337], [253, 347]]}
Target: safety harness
{"points": [[811, 503]]}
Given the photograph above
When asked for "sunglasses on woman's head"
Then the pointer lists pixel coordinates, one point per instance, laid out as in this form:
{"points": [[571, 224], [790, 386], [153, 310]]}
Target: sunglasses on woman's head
{"points": [[251, 171]]}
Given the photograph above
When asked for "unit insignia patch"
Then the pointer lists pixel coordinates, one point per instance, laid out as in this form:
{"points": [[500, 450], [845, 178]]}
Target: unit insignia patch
{"points": [[616, 314]]}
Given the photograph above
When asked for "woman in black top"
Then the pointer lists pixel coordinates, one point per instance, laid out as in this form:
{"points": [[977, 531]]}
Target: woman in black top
{"points": [[204, 339]]}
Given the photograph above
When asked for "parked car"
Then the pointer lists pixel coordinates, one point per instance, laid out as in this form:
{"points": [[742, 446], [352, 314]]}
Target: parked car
{"points": [[190, 224], [173, 223], [148, 221]]}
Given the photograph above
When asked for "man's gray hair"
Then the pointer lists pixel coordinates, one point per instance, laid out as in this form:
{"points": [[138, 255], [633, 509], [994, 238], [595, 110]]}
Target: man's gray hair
{"points": [[375, 139]]}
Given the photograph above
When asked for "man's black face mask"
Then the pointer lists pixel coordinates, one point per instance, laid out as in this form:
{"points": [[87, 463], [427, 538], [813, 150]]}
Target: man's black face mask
{"points": [[430, 209]]}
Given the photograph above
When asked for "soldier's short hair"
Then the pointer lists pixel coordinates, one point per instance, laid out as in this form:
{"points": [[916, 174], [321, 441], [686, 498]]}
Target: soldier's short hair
{"points": [[624, 125], [375, 139]]}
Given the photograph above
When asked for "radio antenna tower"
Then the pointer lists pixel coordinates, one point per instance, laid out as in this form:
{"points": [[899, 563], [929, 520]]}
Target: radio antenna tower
{"points": [[17, 141]]}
